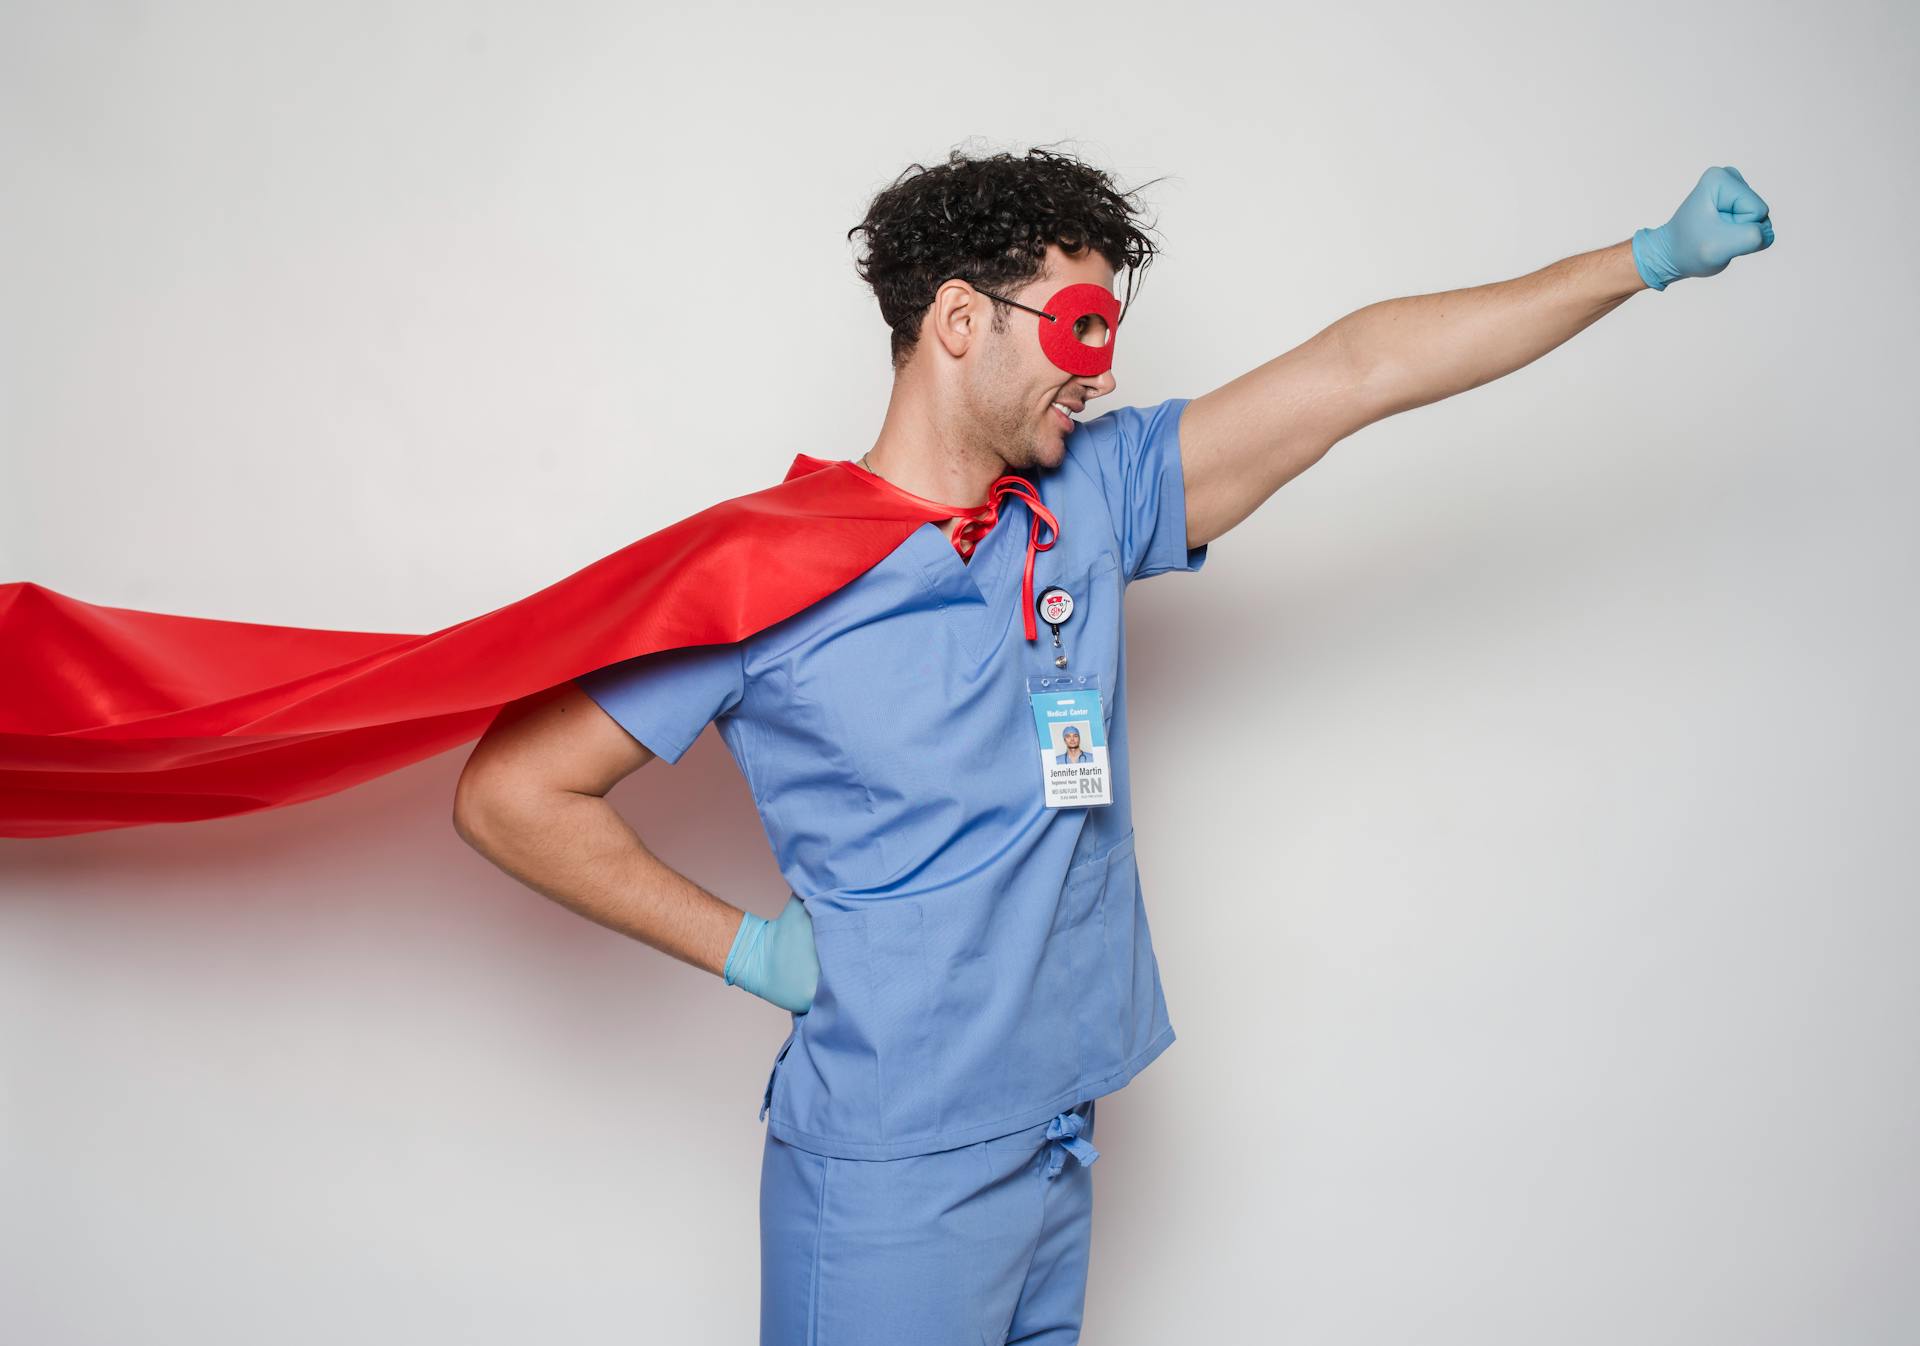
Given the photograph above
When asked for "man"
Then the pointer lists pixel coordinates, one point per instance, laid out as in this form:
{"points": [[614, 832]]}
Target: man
{"points": [[1070, 742], [966, 956]]}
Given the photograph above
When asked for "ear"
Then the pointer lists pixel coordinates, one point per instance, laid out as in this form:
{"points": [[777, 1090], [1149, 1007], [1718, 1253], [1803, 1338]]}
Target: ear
{"points": [[956, 318]]}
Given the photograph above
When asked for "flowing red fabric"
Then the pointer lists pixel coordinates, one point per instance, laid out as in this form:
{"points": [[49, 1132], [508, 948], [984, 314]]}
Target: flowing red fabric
{"points": [[112, 717]]}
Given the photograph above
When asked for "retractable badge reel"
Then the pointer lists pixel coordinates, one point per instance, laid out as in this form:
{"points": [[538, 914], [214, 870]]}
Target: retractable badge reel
{"points": [[1071, 723], [1055, 605]]}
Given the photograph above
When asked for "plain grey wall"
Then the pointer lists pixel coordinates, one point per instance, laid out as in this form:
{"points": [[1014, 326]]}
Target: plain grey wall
{"points": [[1552, 980]]}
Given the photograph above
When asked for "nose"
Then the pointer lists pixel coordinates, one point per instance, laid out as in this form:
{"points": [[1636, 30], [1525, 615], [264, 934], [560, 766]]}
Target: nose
{"points": [[1100, 386]]}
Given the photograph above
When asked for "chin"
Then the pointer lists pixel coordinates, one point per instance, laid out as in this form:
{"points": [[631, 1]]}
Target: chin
{"points": [[1050, 453]]}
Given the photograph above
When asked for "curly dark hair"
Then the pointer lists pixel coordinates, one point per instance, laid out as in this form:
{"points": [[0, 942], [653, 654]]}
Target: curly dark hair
{"points": [[989, 221]]}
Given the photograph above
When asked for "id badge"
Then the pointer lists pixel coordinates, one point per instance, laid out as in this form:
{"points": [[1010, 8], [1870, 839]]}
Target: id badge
{"points": [[1074, 766]]}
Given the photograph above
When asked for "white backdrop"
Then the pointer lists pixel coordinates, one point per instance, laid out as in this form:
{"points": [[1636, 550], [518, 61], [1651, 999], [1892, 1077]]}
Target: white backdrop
{"points": [[1551, 982]]}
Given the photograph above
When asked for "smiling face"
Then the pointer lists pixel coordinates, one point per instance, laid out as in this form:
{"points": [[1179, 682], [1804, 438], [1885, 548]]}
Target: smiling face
{"points": [[1014, 384]]}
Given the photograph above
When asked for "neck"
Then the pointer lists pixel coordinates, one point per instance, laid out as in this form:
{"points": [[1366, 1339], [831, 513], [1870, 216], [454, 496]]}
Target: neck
{"points": [[920, 449]]}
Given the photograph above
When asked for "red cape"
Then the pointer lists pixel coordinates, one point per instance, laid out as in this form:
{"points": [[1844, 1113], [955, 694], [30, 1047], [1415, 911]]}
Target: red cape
{"points": [[111, 717]]}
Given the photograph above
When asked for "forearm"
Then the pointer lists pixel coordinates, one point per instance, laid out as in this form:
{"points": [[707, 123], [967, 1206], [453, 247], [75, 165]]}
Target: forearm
{"points": [[1426, 347], [575, 849]]}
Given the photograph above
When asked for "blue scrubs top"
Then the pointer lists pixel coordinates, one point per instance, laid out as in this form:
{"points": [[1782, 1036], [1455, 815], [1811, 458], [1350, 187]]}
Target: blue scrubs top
{"points": [[985, 962]]}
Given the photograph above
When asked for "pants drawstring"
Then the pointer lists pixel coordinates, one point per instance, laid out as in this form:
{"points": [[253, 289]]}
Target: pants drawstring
{"points": [[1063, 1139]]}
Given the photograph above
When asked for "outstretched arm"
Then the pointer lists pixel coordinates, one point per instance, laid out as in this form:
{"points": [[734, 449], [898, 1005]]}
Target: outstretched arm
{"points": [[1242, 442]]}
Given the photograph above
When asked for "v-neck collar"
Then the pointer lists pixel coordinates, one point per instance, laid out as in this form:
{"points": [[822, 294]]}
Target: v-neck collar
{"points": [[987, 571], [988, 618], [975, 595], [989, 583]]}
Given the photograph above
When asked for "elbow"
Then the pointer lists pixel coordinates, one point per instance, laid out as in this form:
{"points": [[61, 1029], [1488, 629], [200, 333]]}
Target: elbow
{"points": [[475, 805], [466, 823], [494, 810]]}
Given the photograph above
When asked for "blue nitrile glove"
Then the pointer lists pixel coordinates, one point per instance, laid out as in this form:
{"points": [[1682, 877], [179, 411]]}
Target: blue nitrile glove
{"points": [[1720, 220], [775, 959]]}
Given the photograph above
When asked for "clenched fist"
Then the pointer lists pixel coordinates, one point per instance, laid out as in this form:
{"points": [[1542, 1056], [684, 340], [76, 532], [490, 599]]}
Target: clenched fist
{"points": [[1720, 220]]}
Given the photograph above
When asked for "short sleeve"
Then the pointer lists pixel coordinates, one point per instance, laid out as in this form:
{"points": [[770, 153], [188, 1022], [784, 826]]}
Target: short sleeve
{"points": [[1134, 453], [665, 699]]}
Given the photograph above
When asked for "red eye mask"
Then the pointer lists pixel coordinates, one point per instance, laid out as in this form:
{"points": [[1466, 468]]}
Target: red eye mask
{"points": [[1060, 325], [1060, 339]]}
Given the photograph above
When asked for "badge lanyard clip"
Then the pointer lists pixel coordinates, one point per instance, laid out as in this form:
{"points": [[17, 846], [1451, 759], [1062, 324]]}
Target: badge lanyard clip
{"points": [[1055, 605]]}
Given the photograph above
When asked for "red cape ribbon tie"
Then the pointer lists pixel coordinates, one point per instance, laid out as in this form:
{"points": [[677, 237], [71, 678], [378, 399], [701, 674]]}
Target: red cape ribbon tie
{"points": [[981, 523]]}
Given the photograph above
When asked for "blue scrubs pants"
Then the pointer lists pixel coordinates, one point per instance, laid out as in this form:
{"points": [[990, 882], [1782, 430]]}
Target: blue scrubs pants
{"points": [[977, 1246]]}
